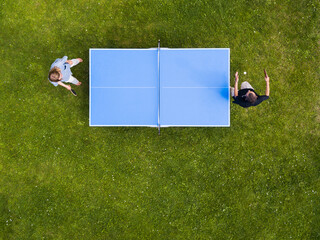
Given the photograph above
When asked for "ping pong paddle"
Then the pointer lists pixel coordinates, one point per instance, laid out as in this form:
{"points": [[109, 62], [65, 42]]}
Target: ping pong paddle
{"points": [[73, 92], [265, 73]]}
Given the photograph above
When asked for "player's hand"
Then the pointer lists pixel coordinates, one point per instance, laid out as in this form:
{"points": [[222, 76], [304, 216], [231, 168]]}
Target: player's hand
{"points": [[68, 87], [266, 77], [237, 77]]}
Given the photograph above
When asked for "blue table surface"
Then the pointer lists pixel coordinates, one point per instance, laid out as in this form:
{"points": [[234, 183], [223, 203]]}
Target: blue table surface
{"points": [[194, 87], [123, 87]]}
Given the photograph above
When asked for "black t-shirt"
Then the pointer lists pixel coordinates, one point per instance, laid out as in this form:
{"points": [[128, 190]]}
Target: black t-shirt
{"points": [[240, 99]]}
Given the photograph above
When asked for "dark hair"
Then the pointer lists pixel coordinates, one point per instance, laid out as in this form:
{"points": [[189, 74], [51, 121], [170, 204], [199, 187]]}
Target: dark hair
{"points": [[54, 74], [251, 97]]}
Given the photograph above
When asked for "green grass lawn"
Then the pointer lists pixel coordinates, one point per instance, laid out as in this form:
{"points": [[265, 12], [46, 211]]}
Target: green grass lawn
{"points": [[258, 179]]}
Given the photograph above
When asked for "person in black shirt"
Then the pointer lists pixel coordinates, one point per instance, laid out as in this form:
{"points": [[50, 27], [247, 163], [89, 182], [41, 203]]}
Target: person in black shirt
{"points": [[246, 96]]}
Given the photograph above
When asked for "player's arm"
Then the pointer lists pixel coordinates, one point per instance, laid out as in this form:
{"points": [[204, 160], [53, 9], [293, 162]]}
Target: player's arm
{"points": [[64, 85], [267, 85], [70, 62], [236, 85]]}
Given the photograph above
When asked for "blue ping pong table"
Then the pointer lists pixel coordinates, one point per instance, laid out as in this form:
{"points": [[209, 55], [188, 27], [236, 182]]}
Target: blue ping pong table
{"points": [[160, 87]]}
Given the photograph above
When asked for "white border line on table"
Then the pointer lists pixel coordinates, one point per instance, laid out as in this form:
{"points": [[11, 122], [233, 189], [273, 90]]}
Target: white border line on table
{"points": [[156, 87], [90, 87], [143, 49], [123, 87], [194, 87], [195, 125], [117, 49], [196, 49], [229, 122], [161, 126], [159, 86], [123, 125]]}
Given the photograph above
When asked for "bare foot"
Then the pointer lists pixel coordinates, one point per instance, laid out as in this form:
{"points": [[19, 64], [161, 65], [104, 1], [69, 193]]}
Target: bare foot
{"points": [[78, 84], [80, 59]]}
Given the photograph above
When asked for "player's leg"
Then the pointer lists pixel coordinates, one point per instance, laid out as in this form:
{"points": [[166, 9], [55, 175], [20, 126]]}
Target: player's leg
{"points": [[73, 80], [75, 61], [245, 85], [232, 91]]}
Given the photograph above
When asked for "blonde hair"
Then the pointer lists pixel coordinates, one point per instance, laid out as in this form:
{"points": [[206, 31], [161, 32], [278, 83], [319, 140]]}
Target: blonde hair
{"points": [[54, 74]]}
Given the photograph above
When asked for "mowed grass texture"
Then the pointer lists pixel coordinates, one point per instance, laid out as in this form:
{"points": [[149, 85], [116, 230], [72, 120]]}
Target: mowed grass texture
{"points": [[258, 179]]}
